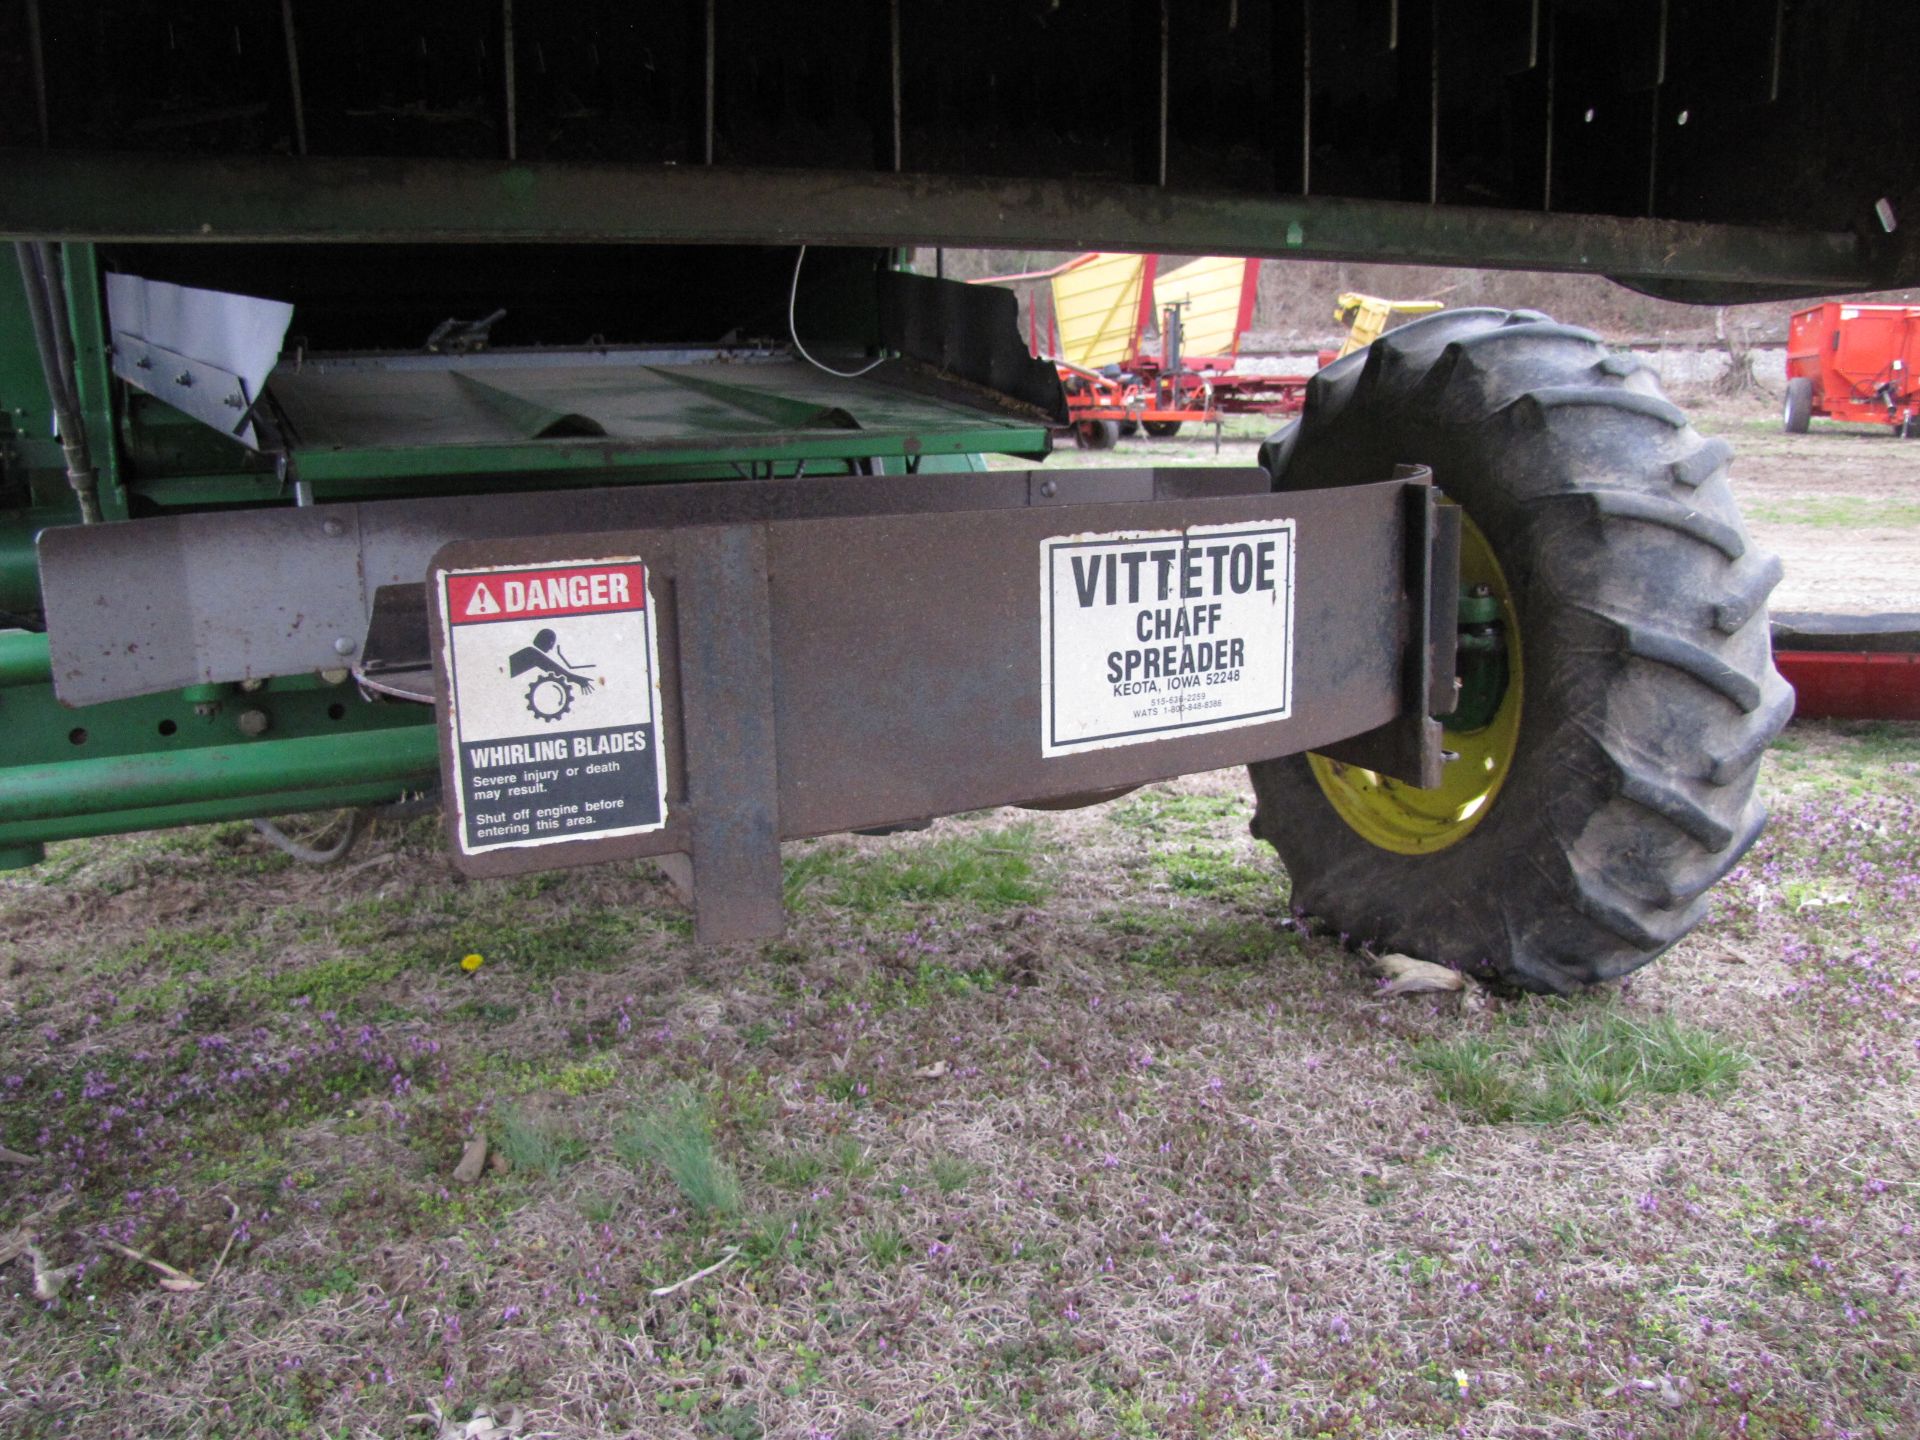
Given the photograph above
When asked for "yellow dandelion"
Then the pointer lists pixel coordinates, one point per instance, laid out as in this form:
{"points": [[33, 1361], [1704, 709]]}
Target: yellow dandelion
{"points": [[473, 962]]}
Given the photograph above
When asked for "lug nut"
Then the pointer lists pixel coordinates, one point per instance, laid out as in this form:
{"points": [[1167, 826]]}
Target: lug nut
{"points": [[253, 723]]}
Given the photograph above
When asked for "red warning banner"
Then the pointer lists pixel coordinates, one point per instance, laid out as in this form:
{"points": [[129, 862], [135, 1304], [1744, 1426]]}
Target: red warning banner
{"points": [[482, 597]]}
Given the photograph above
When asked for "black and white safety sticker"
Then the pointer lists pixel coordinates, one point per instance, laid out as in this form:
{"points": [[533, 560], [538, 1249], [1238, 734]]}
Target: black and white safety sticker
{"points": [[554, 703], [1146, 635]]}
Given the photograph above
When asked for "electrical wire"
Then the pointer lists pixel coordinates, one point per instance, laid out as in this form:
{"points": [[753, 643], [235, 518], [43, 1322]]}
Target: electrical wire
{"points": [[793, 329], [318, 854]]}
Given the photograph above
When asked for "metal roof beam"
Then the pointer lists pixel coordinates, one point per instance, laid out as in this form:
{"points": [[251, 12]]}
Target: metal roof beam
{"points": [[192, 198]]}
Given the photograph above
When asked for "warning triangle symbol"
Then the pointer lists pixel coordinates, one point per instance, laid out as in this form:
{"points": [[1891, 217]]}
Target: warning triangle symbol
{"points": [[482, 602]]}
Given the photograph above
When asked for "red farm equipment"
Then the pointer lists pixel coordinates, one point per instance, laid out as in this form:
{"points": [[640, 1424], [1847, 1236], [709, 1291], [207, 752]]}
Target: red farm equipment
{"points": [[1854, 362], [1142, 348]]}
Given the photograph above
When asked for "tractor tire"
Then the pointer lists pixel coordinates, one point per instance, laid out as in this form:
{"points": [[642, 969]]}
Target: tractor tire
{"points": [[1098, 434], [1163, 429], [1619, 768], [1797, 414]]}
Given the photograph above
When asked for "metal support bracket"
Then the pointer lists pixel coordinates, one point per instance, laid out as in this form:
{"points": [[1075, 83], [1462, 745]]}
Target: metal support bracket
{"points": [[726, 699], [1408, 746]]}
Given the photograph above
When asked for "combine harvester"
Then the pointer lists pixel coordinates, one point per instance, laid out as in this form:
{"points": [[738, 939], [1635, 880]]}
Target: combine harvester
{"points": [[1138, 348], [474, 400]]}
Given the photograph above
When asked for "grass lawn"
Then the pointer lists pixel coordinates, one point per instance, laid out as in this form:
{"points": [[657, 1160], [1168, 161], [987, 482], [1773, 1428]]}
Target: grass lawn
{"points": [[1050, 1124]]}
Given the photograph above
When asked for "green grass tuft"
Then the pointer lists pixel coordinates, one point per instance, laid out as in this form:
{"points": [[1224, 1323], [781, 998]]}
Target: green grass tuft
{"points": [[1587, 1070], [535, 1144], [796, 1169], [991, 869], [1174, 941], [1162, 810], [884, 1244], [949, 1173], [1837, 512], [677, 1137], [1215, 872]]}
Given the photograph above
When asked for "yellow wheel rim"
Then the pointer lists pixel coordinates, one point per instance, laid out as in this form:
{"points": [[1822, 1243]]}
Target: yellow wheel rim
{"points": [[1411, 821]]}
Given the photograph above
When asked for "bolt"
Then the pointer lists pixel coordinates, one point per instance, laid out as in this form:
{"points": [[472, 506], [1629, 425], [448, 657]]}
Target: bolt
{"points": [[343, 646], [253, 723], [185, 377], [207, 709], [250, 686], [1048, 489], [334, 677], [333, 527], [1480, 592]]}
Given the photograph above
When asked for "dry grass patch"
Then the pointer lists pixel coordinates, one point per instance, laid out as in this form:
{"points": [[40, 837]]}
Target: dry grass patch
{"points": [[1047, 1125]]}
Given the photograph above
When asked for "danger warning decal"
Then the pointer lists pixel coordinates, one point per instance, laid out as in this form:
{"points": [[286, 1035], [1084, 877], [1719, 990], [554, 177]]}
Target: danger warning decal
{"points": [[554, 703], [1150, 634]]}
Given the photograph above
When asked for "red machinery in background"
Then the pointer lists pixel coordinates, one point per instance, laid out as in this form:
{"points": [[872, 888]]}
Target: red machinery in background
{"points": [[1854, 362], [1142, 348], [1850, 667]]}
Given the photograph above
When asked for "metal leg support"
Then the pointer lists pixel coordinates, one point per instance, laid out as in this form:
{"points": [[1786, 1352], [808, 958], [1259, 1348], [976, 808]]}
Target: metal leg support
{"points": [[726, 683]]}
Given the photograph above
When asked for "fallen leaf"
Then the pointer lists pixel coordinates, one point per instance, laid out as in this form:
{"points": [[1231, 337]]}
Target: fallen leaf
{"points": [[472, 1161], [178, 1281], [1821, 902], [47, 1281], [484, 1427], [1408, 976], [933, 1071], [500, 1164], [14, 1157]]}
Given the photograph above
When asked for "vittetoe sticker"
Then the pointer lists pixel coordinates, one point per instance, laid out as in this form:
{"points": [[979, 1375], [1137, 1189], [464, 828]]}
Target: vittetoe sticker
{"points": [[1146, 635]]}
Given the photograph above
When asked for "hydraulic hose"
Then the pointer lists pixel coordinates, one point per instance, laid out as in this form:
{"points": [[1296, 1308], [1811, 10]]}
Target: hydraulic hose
{"points": [[46, 309]]}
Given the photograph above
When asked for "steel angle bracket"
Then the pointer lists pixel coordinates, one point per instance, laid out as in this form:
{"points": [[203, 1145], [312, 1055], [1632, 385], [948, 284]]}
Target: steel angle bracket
{"points": [[850, 672], [1408, 747], [213, 396]]}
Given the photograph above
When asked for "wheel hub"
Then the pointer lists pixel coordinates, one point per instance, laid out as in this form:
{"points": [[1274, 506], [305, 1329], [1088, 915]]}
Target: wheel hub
{"points": [[1481, 734]]}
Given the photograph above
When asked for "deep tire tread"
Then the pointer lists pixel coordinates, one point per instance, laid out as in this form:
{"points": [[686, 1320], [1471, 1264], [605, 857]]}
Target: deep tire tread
{"points": [[1700, 465], [1747, 596], [1658, 510], [1611, 397], [1718, 675], [1737, 765], [1655, 795]]}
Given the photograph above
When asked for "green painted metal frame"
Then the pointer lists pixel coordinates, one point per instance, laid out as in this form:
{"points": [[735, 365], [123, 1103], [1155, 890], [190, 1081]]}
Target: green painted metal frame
{"points": [[395, 466], [184, 758]]}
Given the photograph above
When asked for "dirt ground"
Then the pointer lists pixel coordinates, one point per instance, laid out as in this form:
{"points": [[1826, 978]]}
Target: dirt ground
{"points": [[1840, 505], [1048, 1125]]}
